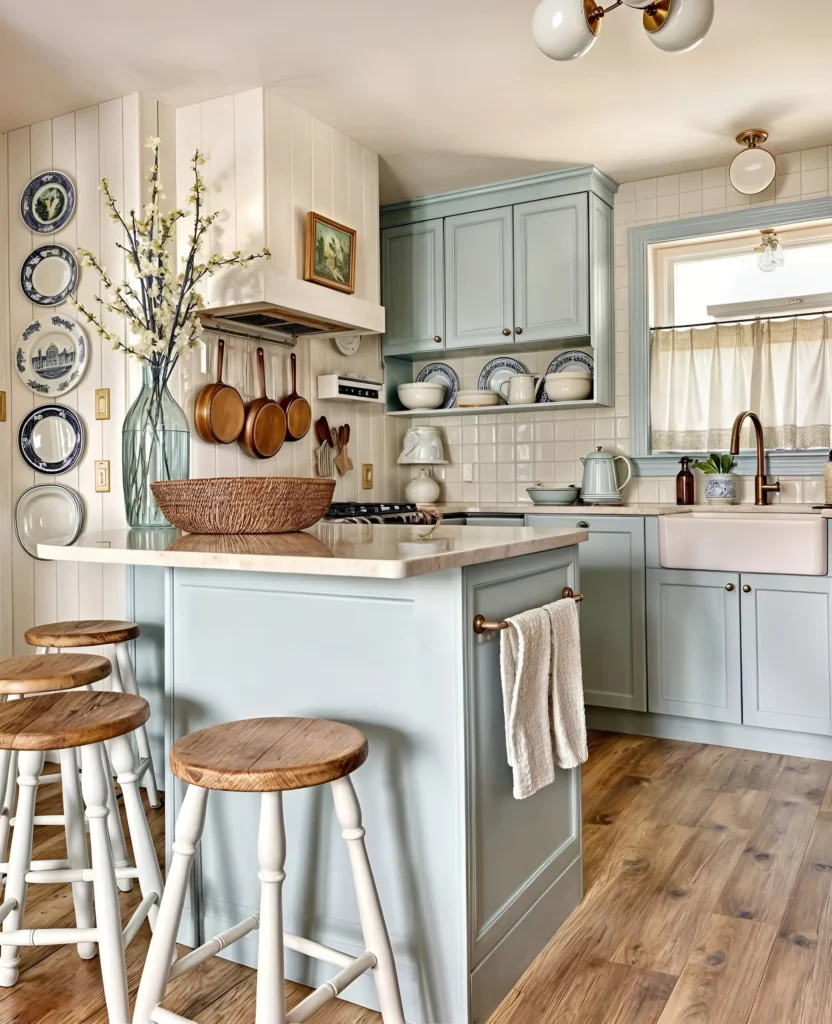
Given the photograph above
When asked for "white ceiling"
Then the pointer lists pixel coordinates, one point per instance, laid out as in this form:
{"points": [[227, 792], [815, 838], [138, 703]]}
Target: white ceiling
{"points": [[449, 92]]}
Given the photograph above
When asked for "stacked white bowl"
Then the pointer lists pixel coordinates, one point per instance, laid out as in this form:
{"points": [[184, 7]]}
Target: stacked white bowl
{"points": [[425, 395], [571, 385]]}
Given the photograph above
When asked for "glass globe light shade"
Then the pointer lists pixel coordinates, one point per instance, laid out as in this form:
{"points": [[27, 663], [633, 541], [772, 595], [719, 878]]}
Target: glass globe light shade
{"points": [[561, 28], [771, 253], [685, 26], [752, 171], [641, 4]]}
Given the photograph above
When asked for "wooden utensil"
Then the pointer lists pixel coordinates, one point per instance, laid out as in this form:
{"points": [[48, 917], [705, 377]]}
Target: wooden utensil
{"points": [[325, 429], [219, 413], [264, 430], [297, 409], [342, 460]]}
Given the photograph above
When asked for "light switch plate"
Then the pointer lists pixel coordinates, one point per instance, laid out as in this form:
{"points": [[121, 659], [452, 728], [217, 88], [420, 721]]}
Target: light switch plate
{"points": [[367, 476], [2, 406], [102, 476], [102, 403]]}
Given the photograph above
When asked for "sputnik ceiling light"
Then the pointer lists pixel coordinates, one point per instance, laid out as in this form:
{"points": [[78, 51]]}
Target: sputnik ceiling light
{"points": [[566, 29], [753, 169]]}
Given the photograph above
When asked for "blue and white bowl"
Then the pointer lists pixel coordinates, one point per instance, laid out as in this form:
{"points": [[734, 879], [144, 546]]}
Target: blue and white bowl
{"points": [[721, 489]]}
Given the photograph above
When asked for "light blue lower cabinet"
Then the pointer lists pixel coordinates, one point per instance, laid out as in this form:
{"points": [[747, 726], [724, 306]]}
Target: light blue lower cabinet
{"points": [[693, 644], [786, 652], [613, 633]]}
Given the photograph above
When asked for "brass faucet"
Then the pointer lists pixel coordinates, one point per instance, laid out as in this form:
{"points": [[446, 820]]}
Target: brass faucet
{"points": [[761, 487]]}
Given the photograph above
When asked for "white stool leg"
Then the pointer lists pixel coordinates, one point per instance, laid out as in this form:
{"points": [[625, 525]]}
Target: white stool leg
{"points": [[150, 877], [94, 777], [271, 850], [124, 667], [20, 859], [8, 783], [376, 938], [162, 948], [76, 846], [114, 826]]}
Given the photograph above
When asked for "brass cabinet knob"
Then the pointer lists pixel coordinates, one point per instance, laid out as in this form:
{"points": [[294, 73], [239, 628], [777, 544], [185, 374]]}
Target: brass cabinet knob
{"points": [[746, 589], [518, 330], [729, 586], [507, 331], [438, 339]]}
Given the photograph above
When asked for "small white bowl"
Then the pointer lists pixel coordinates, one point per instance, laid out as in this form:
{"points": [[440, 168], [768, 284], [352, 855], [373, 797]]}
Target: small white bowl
{"points": [[477, 399], [568, 387], [426, 395]]}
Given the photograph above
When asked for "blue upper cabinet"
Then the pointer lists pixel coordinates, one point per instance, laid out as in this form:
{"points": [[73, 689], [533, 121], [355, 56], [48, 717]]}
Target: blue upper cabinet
{"points": [[478, 279], [551, 269], [413, 287]]}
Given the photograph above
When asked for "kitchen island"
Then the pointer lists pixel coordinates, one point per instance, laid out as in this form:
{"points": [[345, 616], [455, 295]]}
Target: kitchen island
{"points": [[370, 625]]}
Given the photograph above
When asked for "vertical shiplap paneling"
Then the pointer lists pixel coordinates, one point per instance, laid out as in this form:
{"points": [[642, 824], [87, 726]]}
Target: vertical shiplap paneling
{"points": [[86, 220], [369, 287], [7, 433], [300, 133], [321, 167], [21, 398], [66, 573], [278, 187], [168, 161]]}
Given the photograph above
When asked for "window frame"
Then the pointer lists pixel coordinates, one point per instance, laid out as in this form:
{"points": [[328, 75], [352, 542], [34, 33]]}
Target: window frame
{"points": [[641, 239]]}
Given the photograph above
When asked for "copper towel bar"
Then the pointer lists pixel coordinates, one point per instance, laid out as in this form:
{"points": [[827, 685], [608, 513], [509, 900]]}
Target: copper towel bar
{"points": [[481, 626]]}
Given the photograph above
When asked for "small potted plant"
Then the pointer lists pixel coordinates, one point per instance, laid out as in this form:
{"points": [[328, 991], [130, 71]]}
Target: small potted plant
{"points": [[721, 488]]}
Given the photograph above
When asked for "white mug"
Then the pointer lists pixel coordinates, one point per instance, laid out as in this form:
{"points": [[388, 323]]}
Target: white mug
{"points": [[522, 388]]}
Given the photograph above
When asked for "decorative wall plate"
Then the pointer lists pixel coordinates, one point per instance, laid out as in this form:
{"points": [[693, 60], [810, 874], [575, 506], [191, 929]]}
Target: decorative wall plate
{"points": [[49, 275], [573, 359], [347, 344], [52, 354], [51, 439], [48, 202], [444, 373], [498, 371], [48, 513]]}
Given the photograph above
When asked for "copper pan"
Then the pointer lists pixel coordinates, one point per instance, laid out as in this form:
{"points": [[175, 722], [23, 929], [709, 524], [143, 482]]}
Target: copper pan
{"points": [[264, 430], [219, 412]]}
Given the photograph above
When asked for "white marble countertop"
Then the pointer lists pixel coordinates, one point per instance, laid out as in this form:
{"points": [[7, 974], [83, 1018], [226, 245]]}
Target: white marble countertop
{"points": [[632, 510], [326, 549]]}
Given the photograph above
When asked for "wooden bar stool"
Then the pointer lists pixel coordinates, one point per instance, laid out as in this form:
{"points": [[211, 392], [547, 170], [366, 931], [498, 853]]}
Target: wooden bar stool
{"points": [[63, 722], [48, 673], [268, 756], [99, 633]]}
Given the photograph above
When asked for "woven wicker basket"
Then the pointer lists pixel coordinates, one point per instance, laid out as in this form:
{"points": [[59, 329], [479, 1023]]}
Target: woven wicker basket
{"points": [[245, 504]]}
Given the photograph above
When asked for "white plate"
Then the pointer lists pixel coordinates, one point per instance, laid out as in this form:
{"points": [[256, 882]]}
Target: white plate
{"points": [[52, 354], [48, 513], [498, 371], [49, 275]]}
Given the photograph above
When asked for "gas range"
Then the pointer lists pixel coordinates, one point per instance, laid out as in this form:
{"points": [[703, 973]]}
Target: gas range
{"points": [[390, 513]]}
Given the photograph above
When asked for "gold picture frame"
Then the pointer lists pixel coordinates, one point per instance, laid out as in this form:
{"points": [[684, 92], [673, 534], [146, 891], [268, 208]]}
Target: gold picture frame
{"points": [[329, 257]]}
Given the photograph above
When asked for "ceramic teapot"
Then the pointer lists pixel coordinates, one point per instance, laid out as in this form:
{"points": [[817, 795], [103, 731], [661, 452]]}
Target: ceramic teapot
{"points": [[600, 482]]}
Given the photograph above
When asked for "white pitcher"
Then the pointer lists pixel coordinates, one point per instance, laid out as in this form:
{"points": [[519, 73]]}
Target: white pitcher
{"points": [[520, 389]]}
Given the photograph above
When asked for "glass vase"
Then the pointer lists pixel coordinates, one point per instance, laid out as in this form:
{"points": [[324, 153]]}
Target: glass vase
{"points": [[155, 445]]}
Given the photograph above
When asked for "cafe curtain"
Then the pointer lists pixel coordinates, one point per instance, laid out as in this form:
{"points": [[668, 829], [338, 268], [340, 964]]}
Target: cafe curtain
{"points": [[701, 377]]}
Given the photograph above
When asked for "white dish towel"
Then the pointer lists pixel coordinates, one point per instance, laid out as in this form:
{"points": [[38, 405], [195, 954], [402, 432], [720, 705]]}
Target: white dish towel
{"points": [[543, 699]]}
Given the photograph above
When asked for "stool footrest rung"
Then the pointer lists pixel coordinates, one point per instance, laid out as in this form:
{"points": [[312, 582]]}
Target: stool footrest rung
{"points": [[43, 819], [38, 865], [52, 876], [137, 920], [162, 1016], [308, 947], [49, 936], [6, 908], [330, 989], [48, 780], [213, 946]]}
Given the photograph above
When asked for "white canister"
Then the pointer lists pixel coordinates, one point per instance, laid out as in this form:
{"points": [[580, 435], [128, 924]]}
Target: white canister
{"points": [[422, 444]]}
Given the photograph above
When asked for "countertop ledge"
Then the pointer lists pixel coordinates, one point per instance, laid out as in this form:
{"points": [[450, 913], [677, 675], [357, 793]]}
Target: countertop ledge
{"points": [[326, 549], [631, 510]]}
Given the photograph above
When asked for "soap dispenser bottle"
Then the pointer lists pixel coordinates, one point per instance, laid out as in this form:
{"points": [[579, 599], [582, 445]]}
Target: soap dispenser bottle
{"points": [[684, 483]]}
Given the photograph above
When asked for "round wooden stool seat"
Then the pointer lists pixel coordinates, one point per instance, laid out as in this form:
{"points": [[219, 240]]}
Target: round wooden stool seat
{"points": [[58, 721], [264, 755], [43, 673], [85, 633]]}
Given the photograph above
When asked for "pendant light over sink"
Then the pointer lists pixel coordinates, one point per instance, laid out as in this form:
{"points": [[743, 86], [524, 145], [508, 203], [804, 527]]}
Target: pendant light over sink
{"points": [[566, 29]]}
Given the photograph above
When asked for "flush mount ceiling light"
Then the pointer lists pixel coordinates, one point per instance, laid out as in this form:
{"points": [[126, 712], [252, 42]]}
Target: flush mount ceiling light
{"points": [[771, 251], [753, 169], [566, 29]]}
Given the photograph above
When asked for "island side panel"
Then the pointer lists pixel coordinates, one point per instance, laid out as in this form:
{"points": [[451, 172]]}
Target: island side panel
{"points": [[525, 866], [146, 605], [385, 656]]}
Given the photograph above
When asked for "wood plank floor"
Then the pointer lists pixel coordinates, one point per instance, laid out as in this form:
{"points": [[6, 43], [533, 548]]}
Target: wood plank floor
{"points": [[708, 877]]}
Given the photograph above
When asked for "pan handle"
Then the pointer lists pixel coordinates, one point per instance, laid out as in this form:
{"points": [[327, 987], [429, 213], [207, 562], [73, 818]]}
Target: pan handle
{"points": [[220, 359], [294, 360], [261, 369]]}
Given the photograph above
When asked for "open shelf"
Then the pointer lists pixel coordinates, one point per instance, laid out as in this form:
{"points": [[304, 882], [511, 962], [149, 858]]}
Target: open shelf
{"points": [[487, 410]]}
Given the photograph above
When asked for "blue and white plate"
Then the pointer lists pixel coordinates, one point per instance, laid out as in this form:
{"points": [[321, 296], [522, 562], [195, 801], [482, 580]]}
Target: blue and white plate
{"points": [[435, 372], [52, 354], [49, 275], [573, 359], [48, 202], [51, 439], [498, 371]]}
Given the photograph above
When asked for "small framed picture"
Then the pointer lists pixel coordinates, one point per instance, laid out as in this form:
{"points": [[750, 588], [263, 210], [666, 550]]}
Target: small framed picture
{"points": [[330, 253]]}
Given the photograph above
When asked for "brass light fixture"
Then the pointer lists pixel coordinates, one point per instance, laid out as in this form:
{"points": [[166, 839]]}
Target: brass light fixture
{"points": [[752, 170], [771, 251], [566, 29]]}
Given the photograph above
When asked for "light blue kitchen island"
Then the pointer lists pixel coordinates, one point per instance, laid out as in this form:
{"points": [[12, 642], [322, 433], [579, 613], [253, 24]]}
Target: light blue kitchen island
{"points": [[370, 625]]}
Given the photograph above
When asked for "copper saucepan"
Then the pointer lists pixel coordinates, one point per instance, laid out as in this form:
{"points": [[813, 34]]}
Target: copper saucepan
{"points": [[264, 430], [298, 412], [219, 412]]}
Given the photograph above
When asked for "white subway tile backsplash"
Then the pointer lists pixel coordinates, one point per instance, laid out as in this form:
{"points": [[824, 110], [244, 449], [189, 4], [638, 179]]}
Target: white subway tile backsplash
{"points": [[690, 181], [788, 163], [714, 200], [564, 451], [668, 185], [787, 186], [506, 471], [690, 203], [715, 177], [645, 210], [810, 159], [646, 189], [544, 429], [544, 451], [565, 430], [815, 180], [626, 193], [524, 431], [667, 207]]}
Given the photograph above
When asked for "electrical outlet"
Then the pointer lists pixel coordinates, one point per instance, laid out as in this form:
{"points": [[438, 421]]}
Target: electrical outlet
{"points": [[367, 476], [102, 476], [102, 404], [2, 406], [467, 472]]}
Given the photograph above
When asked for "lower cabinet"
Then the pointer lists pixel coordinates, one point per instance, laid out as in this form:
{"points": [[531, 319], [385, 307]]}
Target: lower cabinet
{"points": [[613, 641]]}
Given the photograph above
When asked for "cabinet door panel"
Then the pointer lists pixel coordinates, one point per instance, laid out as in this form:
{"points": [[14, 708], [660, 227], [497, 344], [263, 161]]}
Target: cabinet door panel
{"points": [[786, 653], [693, 644], [551, 268], [413, 287], [478, 279], [613, 637]]}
